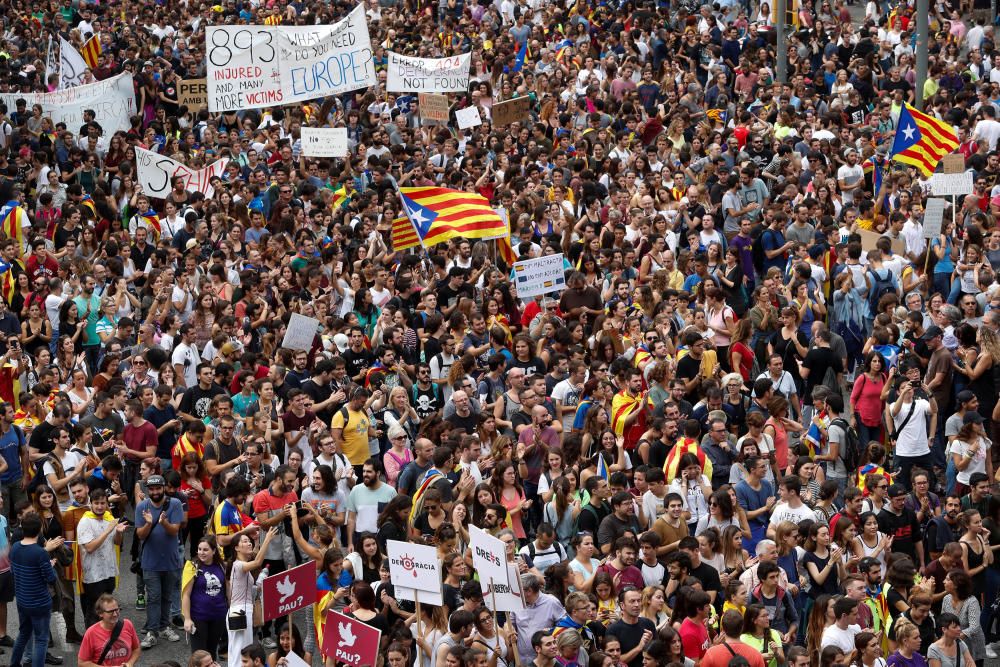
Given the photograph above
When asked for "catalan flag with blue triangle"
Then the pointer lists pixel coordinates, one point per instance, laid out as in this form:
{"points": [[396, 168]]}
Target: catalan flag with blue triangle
{"points": [[7, 282], [13, 220], [88, 203], [440, 214], [922, 140], [813, 440], [602, 467], [153, 223], [717, 115]]}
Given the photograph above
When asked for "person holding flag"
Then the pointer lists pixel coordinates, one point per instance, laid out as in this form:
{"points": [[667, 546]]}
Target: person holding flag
{"points": [[922, 140], [629, 408]]}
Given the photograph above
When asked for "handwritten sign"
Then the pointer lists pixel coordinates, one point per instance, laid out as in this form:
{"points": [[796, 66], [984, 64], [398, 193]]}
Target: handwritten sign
{"points": [[72, 66], [511, 111], [289, 591], [324, 141], [156, 174], [468, 117], [933, 217], [539, 276], [428, 75], [953, 163], [300, 333], [112, 100], [952, 185], [434, 107], [193, 93]]}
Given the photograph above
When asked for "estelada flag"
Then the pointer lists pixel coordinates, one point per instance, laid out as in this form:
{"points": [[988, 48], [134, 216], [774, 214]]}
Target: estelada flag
{"points": [[403, 234], [440, 214]]}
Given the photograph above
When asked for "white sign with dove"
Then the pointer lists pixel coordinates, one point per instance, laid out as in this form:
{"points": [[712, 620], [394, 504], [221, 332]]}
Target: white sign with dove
{"points": [[289, 591]]}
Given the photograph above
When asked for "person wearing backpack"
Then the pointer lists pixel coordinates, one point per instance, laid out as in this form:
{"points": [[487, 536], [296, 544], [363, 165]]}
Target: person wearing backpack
{"points": [[842, 444], [882, 281]]}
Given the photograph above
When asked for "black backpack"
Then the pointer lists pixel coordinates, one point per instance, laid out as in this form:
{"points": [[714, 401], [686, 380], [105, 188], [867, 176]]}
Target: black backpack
{"points": [[851, 453], [757, 255], [880, 288]]}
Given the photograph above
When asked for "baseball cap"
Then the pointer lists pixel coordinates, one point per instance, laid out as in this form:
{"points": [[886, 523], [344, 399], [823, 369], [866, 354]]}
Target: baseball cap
{"points": [[933, 331], [156, 480], [972, 418], [341, 341], [895, 490], [964, 396]]}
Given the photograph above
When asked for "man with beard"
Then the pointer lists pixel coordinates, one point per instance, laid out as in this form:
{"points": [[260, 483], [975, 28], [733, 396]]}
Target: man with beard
{"points": [[158, 522], [365, 502], [945, 529], [88, 305], [273, 507]]}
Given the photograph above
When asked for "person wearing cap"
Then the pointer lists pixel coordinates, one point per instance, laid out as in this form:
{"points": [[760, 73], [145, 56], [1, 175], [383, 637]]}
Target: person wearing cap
{"points": [[900, 522], [909, 414], [938, 379], [971, 451], [158, 521]]}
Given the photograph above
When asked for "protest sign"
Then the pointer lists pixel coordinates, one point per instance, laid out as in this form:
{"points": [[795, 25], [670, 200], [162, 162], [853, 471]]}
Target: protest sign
{"points": [[505, 113], [318, 61], [933, 217], [411, 594], [952, 185], [293, 660], [506, 596], [289, 591], [300, 333], [349, 640], [468, 117], [428, 75], [324, 141], [72, 66], [953, 163], [489, 556], [414, 565], [434, 107], [869, 239], [156, 172], [539, 276], [242, 68], [112, 101], [193, 93]]}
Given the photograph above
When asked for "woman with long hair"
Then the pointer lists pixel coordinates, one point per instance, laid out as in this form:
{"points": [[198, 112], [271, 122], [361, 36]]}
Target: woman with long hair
{"points": [[561, 512], [778, 426], [820, 618], [653, 605], [868, 650], [197, 486], [710, 549], [242, 589], [362, 607], [694, 487], [290, 641], [427, 630], [870, 542], [823, 563], [204, 601], [583, 564], [971, 452], [758, 634], [508, 491], [977, 556], [867, 400], [735, 558]]}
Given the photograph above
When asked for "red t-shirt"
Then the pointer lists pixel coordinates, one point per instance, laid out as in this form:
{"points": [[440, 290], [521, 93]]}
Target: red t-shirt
{"points": [[694, 637], [120, 652], [196, 502], [719, 655], [140, 438]]}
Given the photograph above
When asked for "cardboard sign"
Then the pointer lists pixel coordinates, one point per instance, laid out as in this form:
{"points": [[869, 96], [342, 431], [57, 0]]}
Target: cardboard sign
{"points": [[933, 217], [193, 93], [155, 173], [349, 640], [952, 185], [301, 332], [428, 75], [489, 556], [468, 117], [505, 113], [434, 107], [954, 163], [324, 141], [869, 239], [507, 596], [414, 565], [542, 275], [289, 591]]}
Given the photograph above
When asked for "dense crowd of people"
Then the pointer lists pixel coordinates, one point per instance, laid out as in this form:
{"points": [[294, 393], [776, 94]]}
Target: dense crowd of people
{"points": [[756, 428]]}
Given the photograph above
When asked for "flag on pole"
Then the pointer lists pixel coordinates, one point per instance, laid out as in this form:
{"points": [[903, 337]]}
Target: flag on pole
{"points": [[71, 65], [13, 220], [340, 198], [521, 53], [922, 140], [152, 223], [92, 51], [404, 236], [51, 61], [602, 467], [440, 214]]}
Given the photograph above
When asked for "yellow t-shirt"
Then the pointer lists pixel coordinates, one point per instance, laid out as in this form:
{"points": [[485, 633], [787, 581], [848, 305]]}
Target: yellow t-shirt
{"points": [[355, 427]]}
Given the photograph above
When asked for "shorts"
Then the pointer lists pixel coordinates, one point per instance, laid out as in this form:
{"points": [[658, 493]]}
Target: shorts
{"points": [[6, 587]]}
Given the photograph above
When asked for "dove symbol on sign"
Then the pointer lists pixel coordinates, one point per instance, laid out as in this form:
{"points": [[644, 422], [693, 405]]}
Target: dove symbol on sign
{"points": [[347, 637], [286, 588]]}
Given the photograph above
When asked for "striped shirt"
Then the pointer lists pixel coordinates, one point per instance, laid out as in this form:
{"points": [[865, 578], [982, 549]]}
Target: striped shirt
{"points": [[32, 574]]}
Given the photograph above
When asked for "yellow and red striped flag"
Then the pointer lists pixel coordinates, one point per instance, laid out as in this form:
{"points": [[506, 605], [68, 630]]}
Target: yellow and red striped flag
{"points": [[91, 51], [13, 220], [922, 140], [440, 214], [404, 236], [153, 223]]}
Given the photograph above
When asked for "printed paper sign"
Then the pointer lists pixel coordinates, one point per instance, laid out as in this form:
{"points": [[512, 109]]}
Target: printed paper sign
{"points": [[428, 75], [489, 556], [155, 173], [434, 107], [112, 100], [349, 640], [539, 276], [289, 591], [934, 217], [193, 93], [324, 141], [505, 113], [506, 596], [468, 117], [300, 333], [414, 566], [952, 185], [318, 61]]}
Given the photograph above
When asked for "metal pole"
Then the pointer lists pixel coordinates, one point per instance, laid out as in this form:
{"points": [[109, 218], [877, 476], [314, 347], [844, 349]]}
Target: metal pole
{"points": [[923, 32], [780, 42]]}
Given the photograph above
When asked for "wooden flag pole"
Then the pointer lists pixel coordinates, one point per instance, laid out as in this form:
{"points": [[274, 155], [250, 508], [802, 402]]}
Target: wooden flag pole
{"points": [[416, 599]]}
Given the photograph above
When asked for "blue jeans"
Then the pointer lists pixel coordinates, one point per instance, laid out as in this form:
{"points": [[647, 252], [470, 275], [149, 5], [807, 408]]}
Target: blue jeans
{"points": [[160, 587], [34, 622], [868, 433], [942, 284]]}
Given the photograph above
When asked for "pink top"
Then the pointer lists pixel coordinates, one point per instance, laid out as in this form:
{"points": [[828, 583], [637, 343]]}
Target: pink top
{"points": [[780, 442], [393, 464], [866, 399], [515, 519]]}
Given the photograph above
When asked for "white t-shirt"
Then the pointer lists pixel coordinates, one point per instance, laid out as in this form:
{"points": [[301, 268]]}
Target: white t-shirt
{"points": [[850, 175], [782, 512], [988, 129], [977, 464], [912, 440], [101, 563], [569, 396], [188, 358], [69, 462], [842, 639]]}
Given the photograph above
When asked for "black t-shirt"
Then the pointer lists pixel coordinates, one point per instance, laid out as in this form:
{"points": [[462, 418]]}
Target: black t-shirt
{"points": [[448, 297], [357, 362], [904, 529], [532, 366], [319, 393], [818, 360], [41, 438], [687, 368], [197, 401], [708, 576], [630, 635], [590, 517], [470, 423]]}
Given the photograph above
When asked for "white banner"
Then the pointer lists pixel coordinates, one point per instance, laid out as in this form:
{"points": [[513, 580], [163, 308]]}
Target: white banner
{"points": [[414, 566], [324, 141], [428, 75], [72, 66], [319, 61], [300, 333], [265, 66], [113, 102], [539, 276], [155, 172]]}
